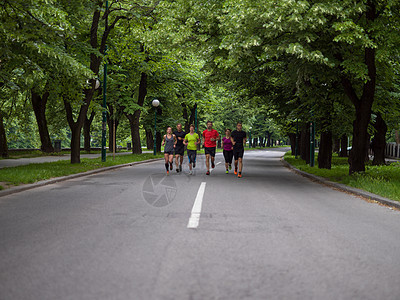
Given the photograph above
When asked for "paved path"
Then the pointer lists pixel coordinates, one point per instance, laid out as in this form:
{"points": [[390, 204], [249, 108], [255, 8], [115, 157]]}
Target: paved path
{"points": [[35, 160], [124, 234]]}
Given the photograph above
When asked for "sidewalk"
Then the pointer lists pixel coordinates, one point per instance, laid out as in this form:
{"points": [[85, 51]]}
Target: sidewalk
{"points": [[4, 163]]}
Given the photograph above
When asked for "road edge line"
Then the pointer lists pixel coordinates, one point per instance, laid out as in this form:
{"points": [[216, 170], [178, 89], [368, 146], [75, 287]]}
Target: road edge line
{"points": [[344, 188]]}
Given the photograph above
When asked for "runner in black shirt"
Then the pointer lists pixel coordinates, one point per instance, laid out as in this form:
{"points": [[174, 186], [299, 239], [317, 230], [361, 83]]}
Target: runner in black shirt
{"points": [[179, 148], [238, 138]]}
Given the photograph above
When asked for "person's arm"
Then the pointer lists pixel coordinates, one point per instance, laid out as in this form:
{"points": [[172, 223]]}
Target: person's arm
{"points": [[233, 141], [163, 142], [175, 140], [185, 141], [222, 143]]}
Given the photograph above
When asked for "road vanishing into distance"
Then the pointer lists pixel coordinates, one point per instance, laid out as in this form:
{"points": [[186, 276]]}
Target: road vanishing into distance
{"points": [[134, 233]]}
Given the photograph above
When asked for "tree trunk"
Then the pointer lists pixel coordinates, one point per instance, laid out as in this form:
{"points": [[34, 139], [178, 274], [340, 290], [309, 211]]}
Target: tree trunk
{"points": [[189, 118], [149, 139], [39, 107], [304, 148], [134, 126], [343, 146], [192, 116], [76, 128], [112, 134], [95, 62], [363, 105], [86, 132], [336, 145], [3, 138], [185, 116], [379, 141], [292, 138], [269, 134], [325, 151], [134, 119], [76, 144]]}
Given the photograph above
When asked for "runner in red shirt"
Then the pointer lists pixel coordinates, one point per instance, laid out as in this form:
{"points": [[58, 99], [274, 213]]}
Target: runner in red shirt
{"points": [[210, 138]]}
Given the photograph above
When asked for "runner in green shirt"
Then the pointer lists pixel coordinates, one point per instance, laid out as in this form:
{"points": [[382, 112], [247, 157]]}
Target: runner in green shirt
{"points": [[191, 141]]}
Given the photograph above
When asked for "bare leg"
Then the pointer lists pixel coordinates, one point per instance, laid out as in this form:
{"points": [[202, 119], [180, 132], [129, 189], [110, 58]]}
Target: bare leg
{"points": [[177, 161], [208, 162], [240, 164], [166, 161]]}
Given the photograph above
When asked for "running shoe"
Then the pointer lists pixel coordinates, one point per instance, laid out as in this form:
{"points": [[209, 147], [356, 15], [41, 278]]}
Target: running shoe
{"points": [[227, 172], [171, 167], [230, 167], [208, 173], [212, 165], [240, 175], [167, 172], [190, 172], [194, 165], [235, 172], [177, 170], [180, 168]]}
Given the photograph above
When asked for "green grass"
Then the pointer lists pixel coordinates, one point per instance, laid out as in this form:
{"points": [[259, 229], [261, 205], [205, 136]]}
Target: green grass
{"points": [[37, 153], [380, 180], [35, 172]]}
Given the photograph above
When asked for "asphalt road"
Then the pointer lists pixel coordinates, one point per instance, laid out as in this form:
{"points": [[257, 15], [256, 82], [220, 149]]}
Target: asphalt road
{"points": [[124, 234]]}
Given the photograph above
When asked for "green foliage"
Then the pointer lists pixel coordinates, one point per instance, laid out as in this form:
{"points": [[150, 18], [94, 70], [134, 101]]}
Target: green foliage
{"points": [[265, 63]]}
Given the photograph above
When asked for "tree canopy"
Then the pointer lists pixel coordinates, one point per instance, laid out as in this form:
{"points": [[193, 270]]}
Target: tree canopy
{"points": [[269, 64]]}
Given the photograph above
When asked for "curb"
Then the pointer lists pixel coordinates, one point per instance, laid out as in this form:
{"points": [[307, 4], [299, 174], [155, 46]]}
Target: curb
{"points": [[344, 188], [30, 186]]}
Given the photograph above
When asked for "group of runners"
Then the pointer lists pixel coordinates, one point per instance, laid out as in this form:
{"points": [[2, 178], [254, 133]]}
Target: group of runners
{"points": [[233, 143]]}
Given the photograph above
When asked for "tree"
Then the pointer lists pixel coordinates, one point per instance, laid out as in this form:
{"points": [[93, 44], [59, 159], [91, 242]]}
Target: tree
{"points": [[345, 36]]}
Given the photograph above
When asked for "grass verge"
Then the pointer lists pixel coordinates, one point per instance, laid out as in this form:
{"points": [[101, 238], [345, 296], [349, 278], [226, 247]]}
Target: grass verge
{"points": [[380, 180], [35, 172]]}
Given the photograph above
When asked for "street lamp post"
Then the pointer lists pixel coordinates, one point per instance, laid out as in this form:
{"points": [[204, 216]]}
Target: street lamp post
{"points": [[104, 125], [312, 143], [250, 143], [155, 103], [195, 117], [296, 149]]}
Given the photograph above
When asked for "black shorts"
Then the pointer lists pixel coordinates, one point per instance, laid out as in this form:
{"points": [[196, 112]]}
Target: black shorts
{"points": [[209, 150], [191, 155], [180, 151], [228, 155], [169, 152], [238, 153]]}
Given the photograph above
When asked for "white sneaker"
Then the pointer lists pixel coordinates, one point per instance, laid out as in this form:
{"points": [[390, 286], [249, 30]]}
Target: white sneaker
{"points": [[190, 172]]}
